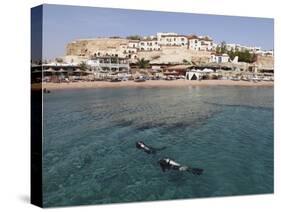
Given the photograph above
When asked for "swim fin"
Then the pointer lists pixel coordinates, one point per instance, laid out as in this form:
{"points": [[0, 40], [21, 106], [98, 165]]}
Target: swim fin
{"points": [[196, 171]]}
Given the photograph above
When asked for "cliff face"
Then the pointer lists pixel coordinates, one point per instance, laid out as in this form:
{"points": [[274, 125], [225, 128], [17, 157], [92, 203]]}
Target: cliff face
{"points": [[91, 46], [264, 62]]}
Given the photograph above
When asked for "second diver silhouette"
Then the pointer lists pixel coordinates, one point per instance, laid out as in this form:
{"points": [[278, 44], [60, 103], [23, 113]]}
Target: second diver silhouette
{"points": [[167, 164]]}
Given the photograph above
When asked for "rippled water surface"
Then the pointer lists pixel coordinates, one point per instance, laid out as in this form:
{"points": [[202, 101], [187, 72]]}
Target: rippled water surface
{"points": [[89, 154]]}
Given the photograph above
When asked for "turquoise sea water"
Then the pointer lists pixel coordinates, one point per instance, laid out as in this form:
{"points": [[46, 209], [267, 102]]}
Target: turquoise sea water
{"points": [[89, 154]]}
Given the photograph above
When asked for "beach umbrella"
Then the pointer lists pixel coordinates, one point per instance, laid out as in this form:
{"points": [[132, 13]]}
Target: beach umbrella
{"points": [[88, 72], [62, 70], [49, 70], [78, 71], [36, 71]]}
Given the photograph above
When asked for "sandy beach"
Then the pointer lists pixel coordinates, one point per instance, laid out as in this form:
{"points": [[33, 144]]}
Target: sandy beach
{"points": [[152, 83]]}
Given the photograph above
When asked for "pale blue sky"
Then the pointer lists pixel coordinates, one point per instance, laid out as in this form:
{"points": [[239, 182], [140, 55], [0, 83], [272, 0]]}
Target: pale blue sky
{"points": [[62, 24]]}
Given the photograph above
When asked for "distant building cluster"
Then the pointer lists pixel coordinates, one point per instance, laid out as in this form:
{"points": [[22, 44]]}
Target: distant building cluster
{"points": [[135, 47], [154, 43], [251, 49]]}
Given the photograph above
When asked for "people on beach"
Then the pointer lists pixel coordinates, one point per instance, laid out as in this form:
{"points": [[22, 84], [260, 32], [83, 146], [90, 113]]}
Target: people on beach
{"points": [[46, 91]]}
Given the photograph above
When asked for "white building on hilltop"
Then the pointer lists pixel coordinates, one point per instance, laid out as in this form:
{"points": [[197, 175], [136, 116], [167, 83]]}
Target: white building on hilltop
{"points": [[133, 44], [206, 43], [132, 47], [193, 42], [160, 34], [173, 40], [149, 45], [200, 43]]}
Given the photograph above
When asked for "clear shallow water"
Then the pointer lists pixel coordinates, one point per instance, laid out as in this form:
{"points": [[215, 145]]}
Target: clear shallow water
{"points": [[90, 157]]}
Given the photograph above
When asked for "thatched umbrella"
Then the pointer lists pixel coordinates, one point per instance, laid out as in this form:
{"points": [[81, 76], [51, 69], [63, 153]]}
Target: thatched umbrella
{"points": [[49, 70], [36, 71], [61, 70], [78, 71], [88, 72]]}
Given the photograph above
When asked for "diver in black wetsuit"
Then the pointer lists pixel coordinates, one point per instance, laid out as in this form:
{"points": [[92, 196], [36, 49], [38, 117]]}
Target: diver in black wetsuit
{"points": [[167, 163], [147, 149]]}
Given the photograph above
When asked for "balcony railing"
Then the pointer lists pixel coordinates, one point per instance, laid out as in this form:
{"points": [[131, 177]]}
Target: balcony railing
{"points": [[114, 65]]}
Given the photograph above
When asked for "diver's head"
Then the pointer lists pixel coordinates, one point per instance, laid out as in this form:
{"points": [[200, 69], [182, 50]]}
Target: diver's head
{"points": [[139, 144], [163, 162]]}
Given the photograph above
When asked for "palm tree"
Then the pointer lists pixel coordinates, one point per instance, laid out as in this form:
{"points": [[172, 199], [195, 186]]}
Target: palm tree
{"points": [[59, 60], [134, 37], [186, 62], [83, 66], [142, 63]]}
